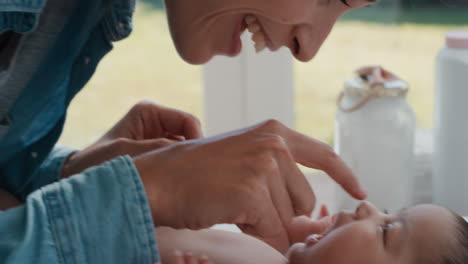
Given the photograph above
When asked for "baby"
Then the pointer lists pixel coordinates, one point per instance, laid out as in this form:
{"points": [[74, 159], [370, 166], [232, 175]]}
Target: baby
{"points": [[424, 234]]}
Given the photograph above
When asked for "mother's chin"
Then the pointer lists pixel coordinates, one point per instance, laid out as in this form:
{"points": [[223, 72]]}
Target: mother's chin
{"points": [[201, 53], [199, 48], [195, 55]]}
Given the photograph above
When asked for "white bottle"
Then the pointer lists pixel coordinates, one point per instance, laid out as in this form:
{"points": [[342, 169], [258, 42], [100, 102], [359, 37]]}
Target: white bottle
{"points": [[451, 124], [374, 134]]}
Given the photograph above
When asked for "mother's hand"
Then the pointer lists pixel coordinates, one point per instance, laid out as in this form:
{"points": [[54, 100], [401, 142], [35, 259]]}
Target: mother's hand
{"points": [[248, 177], [147, 126]]}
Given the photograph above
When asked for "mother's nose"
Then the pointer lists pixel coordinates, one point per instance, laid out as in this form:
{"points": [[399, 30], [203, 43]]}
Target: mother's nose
{"points": [[307, 39], [302, 47]]}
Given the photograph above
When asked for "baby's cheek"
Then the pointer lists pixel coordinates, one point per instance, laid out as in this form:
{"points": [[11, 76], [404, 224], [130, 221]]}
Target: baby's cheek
{"points": [[349, 245], [362, 245]]}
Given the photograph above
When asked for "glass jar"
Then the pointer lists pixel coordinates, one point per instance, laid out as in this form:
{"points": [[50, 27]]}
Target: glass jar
{"points": [[450, 125], [374, 135]]}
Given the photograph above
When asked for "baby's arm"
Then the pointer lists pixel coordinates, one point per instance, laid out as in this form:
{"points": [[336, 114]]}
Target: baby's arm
{"points": [[221, 247], [188, 258]]}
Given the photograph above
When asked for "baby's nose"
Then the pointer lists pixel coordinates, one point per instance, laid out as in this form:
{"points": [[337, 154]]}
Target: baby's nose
{"points": [[364, 210]]}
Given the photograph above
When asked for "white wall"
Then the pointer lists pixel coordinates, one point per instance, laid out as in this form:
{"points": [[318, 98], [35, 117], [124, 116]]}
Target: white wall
{"points": [[248, 89]]}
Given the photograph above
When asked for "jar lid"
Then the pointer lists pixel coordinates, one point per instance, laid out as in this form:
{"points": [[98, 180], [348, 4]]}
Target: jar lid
{"points": [[457, 39], [360, 86], [372, 82]]}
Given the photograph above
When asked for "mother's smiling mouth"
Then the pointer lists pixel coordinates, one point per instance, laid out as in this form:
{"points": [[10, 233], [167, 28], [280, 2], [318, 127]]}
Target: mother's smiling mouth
{"points": [[259, 36]]}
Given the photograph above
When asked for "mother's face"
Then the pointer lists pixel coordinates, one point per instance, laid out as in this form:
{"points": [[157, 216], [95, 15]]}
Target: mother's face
{"points": [[204, 28]]}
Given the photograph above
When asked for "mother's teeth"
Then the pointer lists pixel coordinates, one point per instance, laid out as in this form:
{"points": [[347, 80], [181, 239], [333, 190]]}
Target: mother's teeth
{"points": [[259, 40], [260, 46], [249, 19], [258, 37], [254, 28]]}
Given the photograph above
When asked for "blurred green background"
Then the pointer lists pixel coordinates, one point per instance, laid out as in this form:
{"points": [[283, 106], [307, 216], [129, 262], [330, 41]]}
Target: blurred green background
{"points": [[404, 37]]}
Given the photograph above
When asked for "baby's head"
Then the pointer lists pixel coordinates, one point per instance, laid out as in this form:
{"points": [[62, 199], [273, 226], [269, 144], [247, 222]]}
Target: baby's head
{"points": [[425, 234]]}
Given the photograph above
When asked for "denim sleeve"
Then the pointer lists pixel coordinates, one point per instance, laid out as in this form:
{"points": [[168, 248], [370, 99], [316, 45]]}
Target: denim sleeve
{"points": [[21, 16], [50, 170], [99, 216]]}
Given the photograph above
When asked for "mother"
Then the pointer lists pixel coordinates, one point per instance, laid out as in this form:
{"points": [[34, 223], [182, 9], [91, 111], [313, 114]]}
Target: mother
{"points": [[100, 204]]}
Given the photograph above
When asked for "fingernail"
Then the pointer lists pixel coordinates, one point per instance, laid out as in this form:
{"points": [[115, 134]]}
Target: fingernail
{"points": [[362, 193], [177, 253]]}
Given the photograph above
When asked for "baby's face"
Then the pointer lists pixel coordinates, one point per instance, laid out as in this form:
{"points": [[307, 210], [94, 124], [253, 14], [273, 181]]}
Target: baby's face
{"points": [[370, 236]]}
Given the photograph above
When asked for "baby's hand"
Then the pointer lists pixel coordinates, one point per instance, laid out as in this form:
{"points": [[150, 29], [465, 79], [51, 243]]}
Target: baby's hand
{"points": [[189, 258], [302, 226]]}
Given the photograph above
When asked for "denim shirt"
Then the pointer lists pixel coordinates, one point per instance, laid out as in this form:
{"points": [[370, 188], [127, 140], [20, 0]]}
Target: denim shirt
{"points": [[102, 214]]}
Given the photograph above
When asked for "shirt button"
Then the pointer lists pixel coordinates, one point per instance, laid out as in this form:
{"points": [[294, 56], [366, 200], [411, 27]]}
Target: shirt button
{"points": [[87, 60], [34, 155]]}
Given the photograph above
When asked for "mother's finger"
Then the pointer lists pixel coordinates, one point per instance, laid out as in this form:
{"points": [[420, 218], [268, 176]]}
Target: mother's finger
{"points": [[300, 194], [151, 120], [205, 260], [262, 220], [178, 258], [269, 227], [178, 122], [190, 258], [318, 155], [279, 193]]}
